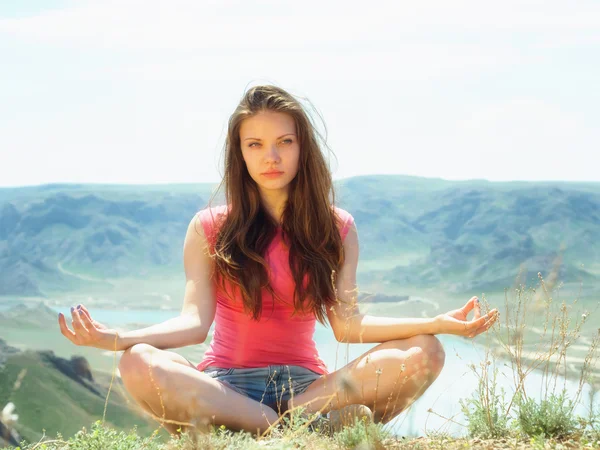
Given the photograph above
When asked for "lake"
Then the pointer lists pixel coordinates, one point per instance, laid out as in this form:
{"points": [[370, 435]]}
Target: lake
{"points": [[455, 382]]}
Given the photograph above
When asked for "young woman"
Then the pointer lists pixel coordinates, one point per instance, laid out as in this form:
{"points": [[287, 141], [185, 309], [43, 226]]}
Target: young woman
{"points": [[264, 267]]}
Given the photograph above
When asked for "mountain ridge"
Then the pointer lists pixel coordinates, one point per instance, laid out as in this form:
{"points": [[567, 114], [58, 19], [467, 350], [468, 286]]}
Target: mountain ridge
{"points": [[475, 230]]}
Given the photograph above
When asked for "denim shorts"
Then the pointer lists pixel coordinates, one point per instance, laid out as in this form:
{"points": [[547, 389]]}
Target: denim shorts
{"points": [[269, 385]]}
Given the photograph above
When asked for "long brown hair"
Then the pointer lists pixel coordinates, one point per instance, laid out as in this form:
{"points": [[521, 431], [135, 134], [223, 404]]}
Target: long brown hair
{"points": [[309, 221]]}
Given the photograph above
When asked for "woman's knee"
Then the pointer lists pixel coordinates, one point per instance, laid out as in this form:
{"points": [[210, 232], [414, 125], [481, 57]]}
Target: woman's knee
{"points": [[136, 360], [432, 352], [425, 353]]}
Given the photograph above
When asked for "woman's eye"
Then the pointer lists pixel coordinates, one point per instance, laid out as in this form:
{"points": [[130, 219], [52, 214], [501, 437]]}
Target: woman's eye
{"points": [[285, 141]]}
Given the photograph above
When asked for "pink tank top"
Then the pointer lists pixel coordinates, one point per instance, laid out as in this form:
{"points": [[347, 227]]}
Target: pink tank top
{"points": [[276, 338]]}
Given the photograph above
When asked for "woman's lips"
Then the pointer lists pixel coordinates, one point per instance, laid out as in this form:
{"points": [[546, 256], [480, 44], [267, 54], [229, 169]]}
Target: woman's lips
{"points": [[272, 174]]}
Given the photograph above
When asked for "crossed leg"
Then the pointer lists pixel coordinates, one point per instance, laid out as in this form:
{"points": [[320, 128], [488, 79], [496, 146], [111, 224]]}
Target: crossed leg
{"points": [[388, 378], [166, 385]]}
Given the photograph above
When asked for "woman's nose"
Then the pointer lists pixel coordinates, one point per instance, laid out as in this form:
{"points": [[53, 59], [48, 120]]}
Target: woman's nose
{"points": [[273, 154]]}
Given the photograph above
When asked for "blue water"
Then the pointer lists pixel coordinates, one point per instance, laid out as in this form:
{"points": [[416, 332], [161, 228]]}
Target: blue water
{"points": [[120, 318], [455, 382]]}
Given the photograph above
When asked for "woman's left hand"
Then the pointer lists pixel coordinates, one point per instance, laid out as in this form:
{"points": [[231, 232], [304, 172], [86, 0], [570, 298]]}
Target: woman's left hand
{"points": [[455, 322]]}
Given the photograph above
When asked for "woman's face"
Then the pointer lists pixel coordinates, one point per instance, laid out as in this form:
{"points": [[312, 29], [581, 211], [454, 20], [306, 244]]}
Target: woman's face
{"points": [[270, 149]]}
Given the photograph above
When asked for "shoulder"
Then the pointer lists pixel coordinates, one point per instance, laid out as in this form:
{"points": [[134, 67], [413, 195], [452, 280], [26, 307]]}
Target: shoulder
{"points": [[345, 220], [211, 218], [210, 214]]}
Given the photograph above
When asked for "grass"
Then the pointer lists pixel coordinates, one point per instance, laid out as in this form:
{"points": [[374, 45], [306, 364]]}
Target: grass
{"points": [[101, 437], [360, 436]]}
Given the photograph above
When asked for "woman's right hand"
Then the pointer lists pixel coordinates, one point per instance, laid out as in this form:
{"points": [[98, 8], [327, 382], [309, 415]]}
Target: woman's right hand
{"points": [[86, 331]]}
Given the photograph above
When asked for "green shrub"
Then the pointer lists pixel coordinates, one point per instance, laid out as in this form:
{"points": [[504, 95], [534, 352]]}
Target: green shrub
{"points": [[100, 437], [485, 411], [363, 434], [590, 427], [551, 417]]}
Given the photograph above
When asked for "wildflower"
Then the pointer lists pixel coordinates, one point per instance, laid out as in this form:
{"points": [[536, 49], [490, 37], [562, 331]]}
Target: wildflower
{"points": [[7, 415], [379, 371]]}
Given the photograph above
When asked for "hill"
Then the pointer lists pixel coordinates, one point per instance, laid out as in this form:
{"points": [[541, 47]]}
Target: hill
{"points": [[25, 316], [415, 232], [63, 395]]}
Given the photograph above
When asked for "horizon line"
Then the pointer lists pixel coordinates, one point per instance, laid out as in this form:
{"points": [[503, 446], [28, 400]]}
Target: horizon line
{"points": [[74, 184]]}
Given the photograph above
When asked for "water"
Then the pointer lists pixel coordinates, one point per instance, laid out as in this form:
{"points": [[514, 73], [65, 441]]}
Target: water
{"points": [[120, 318]]}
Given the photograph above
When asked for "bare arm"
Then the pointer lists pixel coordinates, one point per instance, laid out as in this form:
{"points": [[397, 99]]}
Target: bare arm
{"points": [[350, 325], [190, 327], [198, 311], [179, 331]]}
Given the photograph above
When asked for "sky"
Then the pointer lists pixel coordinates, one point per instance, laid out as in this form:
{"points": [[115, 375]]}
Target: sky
{"points": [[140, 91]]}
